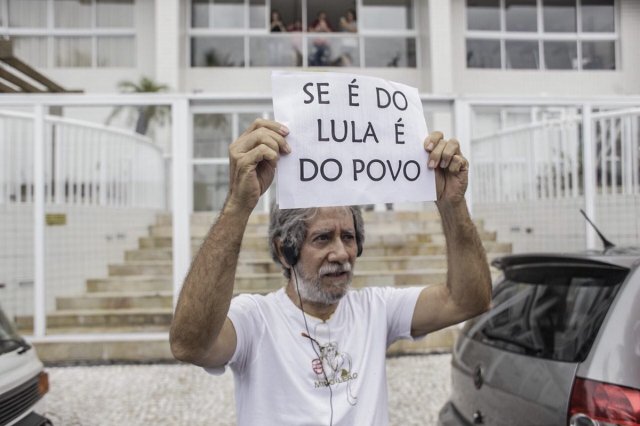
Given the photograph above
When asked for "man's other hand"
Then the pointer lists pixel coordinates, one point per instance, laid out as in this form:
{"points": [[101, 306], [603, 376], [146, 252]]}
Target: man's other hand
{"points": [[451, 168], [253, 158]]}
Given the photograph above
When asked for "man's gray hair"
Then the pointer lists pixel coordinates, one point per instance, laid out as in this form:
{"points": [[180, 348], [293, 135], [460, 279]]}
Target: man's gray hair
{"points": [[289, 226]]}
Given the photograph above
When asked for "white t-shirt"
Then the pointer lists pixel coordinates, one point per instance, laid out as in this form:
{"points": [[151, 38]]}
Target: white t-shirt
{"points": [[280, 373]]}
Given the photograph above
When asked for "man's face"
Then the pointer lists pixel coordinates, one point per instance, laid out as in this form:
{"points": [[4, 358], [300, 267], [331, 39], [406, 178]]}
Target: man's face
{"points": [[327, 256]]}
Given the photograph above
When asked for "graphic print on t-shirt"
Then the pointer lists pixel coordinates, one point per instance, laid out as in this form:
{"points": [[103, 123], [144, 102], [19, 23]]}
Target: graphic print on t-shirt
{"points": [[334, 368]]}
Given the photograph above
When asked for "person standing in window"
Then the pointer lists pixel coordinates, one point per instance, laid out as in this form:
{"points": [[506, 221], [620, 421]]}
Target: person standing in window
{"points": [[276, 23], [320, 24], [349, 23]]}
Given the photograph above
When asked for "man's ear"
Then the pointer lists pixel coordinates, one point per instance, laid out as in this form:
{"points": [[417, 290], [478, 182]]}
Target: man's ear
{"points": [[278, 245]]}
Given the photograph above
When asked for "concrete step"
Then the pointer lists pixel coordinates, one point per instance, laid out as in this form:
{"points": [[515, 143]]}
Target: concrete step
{"points": [[148, 268], [258, 218], [129, 283], [274, 281], [105, 348], [375, 247], [154, 346], [266, 265], [268, 281], [406, 249], [392, 228], [151, 254], [119, 300], [102, 318]]}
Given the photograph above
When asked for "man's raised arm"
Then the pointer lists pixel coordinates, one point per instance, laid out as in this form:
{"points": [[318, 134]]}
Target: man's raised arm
{"points": [[200, 332], [467, 292]]}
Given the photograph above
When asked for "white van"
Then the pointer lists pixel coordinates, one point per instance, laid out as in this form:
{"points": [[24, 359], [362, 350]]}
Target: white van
{"points": [[23, 381]]}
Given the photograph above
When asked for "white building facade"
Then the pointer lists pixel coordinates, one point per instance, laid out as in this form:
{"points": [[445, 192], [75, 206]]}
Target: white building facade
{"points": [[521, 82], [462, 47]]}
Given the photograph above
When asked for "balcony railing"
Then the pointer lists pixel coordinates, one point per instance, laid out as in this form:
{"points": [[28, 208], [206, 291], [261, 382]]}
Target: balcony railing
{"points": [[546, 160], [300, 49], [84, 164]]}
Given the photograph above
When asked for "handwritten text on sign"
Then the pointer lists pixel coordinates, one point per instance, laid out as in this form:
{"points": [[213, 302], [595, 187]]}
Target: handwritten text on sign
{"points": [[355, 140]]}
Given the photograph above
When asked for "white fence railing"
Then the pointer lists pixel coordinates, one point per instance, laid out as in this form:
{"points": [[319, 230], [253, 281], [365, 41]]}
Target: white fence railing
{"points": [[546, 160], [78, 163], [84, 164]]}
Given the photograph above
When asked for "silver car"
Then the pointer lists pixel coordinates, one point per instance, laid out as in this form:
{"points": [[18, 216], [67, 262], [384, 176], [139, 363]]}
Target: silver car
{"points": [[23, 381], [560, 345]]}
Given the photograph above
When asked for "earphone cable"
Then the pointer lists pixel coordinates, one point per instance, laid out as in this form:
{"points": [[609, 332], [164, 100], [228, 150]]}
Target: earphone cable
{"points": [[311, 340]]}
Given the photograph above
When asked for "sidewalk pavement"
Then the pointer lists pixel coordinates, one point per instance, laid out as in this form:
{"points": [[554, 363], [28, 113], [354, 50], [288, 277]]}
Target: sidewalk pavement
{"points": [[173, 394]]}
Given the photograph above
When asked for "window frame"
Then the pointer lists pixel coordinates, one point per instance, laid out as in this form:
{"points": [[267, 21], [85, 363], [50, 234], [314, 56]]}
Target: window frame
{"points": [[247, 32], [579, 36], [51, 33]]}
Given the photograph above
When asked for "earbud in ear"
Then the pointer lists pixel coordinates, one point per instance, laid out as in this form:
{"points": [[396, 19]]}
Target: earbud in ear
{"points": [[290, 255]]}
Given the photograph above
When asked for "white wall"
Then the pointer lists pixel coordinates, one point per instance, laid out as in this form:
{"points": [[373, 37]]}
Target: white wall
{"points": [[258, 80], [92, 238], [558, 226]]}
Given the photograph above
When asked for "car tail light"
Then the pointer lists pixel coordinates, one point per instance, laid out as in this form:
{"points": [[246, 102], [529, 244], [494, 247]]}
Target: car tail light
{"points": [[603, 404], [43, 383]]}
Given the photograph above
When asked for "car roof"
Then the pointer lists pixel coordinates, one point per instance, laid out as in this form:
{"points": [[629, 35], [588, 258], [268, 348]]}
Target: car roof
{"points": [[622, 257]]}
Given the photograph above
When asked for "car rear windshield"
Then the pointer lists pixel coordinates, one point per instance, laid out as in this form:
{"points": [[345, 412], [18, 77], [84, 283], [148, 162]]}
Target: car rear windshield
{"points": [[550, 311]]}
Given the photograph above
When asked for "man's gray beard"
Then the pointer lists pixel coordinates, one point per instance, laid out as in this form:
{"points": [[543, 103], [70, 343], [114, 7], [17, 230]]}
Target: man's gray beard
{"points": [[310, 288]]}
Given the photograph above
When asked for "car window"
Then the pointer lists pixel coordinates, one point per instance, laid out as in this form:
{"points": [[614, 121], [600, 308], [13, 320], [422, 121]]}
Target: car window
{"points": [[551, 311], [9, 338]]}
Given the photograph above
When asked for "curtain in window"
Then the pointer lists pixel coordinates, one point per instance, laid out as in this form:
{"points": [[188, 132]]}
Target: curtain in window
{"points": [[73, 52], [27, 13], [72, 14], [32, 50], [115, 13], [116, 52]]}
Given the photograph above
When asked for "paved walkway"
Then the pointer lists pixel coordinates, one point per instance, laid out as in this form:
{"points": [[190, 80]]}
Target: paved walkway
{"points": [[185, 395]]}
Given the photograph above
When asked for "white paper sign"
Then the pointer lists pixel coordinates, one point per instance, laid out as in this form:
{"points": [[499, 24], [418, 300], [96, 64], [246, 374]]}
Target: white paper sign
{"points": [[355, 140]]}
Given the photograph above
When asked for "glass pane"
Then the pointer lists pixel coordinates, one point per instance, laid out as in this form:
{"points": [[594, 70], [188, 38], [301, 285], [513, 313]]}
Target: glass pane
{"points": [[599, 55], [333, 52], [559, 16], [116, 52], [227, 14], [210, 185], [115, 13], [390, 52], [257, 14], [73, 51], [247, 118], [72, 14], [561, 55], [217, 52], [32, 50], [212, 134], [276, 50], [521, 15], [483, 15], [27, 13], [387, 14], [483, 54], [522, 55], [199, 13], [598, 16], [290, 12], [548, 312]]}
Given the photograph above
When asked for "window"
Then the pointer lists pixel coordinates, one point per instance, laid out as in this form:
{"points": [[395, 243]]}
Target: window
{"points": [[212, 135], [550, 311], [71, 33], [541, 34], [303, 33]]}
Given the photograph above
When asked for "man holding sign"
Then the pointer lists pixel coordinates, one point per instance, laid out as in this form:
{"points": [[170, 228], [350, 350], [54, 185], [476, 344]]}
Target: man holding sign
{"points": [[313, 352]]}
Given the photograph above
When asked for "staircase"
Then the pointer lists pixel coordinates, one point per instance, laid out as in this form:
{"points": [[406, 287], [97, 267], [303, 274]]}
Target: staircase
{"points": [[126, 316]]}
